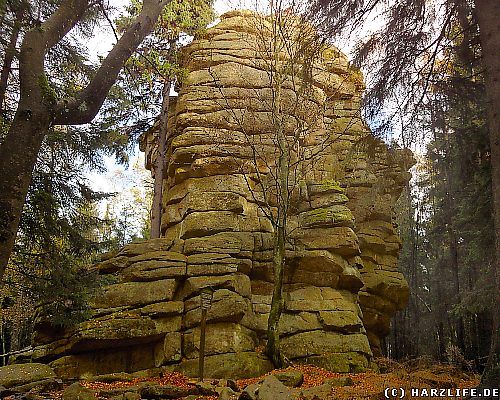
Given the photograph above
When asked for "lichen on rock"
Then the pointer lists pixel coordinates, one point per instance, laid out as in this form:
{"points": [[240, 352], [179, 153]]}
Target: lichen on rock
{"points": [[342, 286]]}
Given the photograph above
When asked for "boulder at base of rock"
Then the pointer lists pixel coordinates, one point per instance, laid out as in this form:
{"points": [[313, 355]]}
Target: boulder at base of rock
{"points": [[77, 391], [340, 382], [155, 391], [272, 389], [127, 396], [230, 365], [290, 378], [23, 374], [339, 362], [316, 393], [250, 392], [228, 394]]}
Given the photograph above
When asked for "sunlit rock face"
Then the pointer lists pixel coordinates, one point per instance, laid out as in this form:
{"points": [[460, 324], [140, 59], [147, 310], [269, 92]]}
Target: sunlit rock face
{"points": [[342, 285]]}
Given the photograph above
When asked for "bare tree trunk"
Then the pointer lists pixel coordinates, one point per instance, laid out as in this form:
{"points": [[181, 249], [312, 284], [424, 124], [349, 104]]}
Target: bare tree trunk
{"points": [[277, 304], [159, 166], [488, 15]]}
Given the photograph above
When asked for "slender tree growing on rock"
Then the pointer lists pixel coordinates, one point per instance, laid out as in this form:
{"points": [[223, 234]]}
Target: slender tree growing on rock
{"points": [[285, 130], [155, 66]]}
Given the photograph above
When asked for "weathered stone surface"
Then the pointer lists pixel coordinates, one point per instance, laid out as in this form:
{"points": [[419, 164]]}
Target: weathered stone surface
{"points": [[340, 382], [199, 224], [151, 270], [226, 243], [168, 324], [156, 391], [88, 364], [312, 343], [272, 389], [112, 265], [390, 285], [342, 286], [339, 362], [319, 299], [220, 338], [117, 330], [204, 201], [170, 257], [342, 321], [124, 393], [169, 350], [290, 378], [335, 215], [164, 309], [12, 376], [251, 392], [238, 283], [301, 322], [228, 394], [317, 392], [135, 249], [340, 240], [202, 264], [227, 306], [229, 365], [136, 293], [206, 389], [44, 385], [77, 391], [114, 377]]}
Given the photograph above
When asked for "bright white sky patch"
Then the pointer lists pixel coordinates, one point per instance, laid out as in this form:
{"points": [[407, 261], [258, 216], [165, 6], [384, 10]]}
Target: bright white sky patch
{"points": [[102, 43]]}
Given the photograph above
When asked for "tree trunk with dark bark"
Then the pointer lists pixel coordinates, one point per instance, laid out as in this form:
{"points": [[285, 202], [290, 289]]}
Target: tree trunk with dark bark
{"points": [[10, 53], [277, 304], [273, 349], [488, 15], [159, 166], [39, 109]]}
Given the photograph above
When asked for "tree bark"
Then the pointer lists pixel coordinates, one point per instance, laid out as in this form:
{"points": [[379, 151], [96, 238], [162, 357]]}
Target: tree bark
{"points": [[283, 168], [277, 304], [10, 53], [159, 166], [488, 15], [38, 109]]}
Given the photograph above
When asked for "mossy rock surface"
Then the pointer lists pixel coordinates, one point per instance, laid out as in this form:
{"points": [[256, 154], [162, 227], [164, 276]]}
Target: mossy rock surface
{"points": [[340, 362], [229, 366], [335, 215], [326, 186], [22, 374]]}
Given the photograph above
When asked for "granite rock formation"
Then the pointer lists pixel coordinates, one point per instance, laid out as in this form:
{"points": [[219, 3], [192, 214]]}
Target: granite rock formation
{"points": [[341, 281]]}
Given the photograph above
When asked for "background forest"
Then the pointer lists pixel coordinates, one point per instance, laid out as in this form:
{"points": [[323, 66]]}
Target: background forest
{"points": [[425, 71]]}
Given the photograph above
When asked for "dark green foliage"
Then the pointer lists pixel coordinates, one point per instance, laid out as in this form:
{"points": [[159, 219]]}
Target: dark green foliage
{"points": [[447, 226], [57, 236]]}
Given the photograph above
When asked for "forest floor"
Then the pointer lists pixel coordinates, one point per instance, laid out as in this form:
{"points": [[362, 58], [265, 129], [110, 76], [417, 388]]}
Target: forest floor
{"points": [[412, 374]]}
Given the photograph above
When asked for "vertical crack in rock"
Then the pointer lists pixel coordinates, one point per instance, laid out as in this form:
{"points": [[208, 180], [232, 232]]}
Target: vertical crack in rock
{"points": [[342, 286]]}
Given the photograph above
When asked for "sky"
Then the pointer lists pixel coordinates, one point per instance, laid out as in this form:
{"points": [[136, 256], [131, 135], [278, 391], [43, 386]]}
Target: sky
{"points": [[104, 39], [100, 45], [127, 182]]}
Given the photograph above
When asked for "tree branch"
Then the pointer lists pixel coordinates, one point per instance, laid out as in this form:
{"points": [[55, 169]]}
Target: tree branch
{"points": [[62, 21], [84, 107]]}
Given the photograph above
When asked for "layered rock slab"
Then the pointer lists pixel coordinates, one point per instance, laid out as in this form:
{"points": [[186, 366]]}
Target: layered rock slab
{"points": [[341, 282]]}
